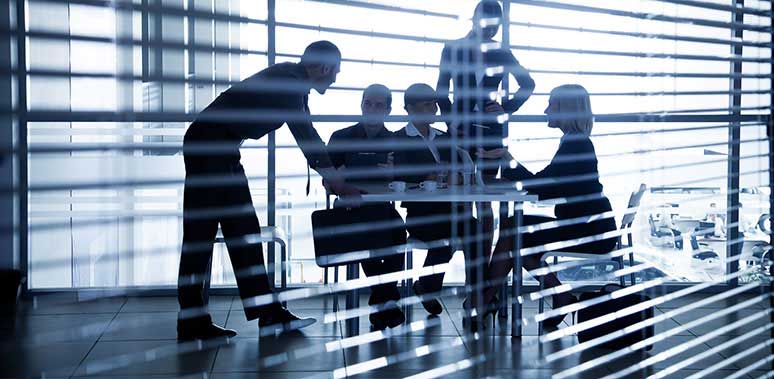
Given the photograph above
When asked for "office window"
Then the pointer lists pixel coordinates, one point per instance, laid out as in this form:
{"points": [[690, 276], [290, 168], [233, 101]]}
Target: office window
{"points": [[674, 111]]}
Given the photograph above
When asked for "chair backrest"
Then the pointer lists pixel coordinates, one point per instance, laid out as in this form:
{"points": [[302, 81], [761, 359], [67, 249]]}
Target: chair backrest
{"points": [[631, 211], [631, 208]]}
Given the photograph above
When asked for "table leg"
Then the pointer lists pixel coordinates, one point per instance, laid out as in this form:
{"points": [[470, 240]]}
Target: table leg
{"points": [[503, 292], [353, 301], [516, 287]]}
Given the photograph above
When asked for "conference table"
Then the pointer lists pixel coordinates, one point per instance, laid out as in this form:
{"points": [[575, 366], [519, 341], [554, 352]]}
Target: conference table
{"points": [[500, 192]]}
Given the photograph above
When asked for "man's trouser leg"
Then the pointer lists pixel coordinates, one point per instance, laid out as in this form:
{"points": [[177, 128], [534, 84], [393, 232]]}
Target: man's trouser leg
{"points": [[241, 231], [383, 292], [200, 225], [434, 235]]}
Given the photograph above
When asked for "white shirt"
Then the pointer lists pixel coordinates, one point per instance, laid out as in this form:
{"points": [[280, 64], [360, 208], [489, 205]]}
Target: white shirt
{"points": [[412, 131]]}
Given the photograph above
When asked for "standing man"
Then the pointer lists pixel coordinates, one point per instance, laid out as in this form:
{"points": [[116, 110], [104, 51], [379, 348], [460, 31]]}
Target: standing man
{"points": [[363, 152], [478, 65], [217, 193]]}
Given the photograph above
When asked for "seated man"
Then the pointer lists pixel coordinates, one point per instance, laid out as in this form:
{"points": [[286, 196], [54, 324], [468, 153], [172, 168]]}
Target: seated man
{"points": [[361, 153], [424, 153]]}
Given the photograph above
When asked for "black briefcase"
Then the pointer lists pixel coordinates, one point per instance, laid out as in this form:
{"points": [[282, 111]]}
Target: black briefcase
{"points": [[609, 307], [352, 235]]}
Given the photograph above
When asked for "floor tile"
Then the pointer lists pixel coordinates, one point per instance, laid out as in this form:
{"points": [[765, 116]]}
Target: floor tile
{"points": [[405, 353], [680, 374], [54, 336], [46, 329], [722, 321], [386, 373], [504, 352], [316, 302], [273, 375], [424, 324], [149, 326], [668, 324], [170, 304], [50, 360], [199, 375], [290, 352], [250, 329], [70, 305], [684, 352], [725, 303], [541, 374], [134, 358], [757, 374], [455, 302], [747, 345], [502, 326]]}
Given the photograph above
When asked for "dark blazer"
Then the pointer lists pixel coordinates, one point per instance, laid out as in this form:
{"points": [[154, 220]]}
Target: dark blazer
{"points": [[458, 67], [414, 162], [255, 107], [361, 155], [572, 173]]}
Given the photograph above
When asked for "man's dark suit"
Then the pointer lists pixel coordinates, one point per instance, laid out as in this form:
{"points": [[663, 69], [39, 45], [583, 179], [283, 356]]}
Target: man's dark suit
{"points": [[216, 188], [360, 155], [433, 223]]}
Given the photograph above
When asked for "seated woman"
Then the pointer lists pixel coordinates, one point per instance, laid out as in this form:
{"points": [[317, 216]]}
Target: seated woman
{"points": [[573, 179]]}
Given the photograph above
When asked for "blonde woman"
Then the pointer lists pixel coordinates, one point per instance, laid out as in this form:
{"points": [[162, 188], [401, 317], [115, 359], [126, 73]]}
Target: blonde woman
{"points": [[571, 178]]}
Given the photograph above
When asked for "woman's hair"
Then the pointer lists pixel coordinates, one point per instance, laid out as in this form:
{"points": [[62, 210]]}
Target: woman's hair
{"points": [[574, 106]]}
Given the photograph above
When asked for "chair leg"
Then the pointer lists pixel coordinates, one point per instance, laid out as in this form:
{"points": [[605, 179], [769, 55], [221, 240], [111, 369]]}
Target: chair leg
{"points": [[325, 283], [541, 308], [503, 311], [632, 277], [335, 295], [620, 262], [283, 269], [408, 281]]}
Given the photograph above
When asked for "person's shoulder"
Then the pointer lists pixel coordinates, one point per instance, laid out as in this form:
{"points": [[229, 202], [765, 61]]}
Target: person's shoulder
{"points": [[503, 55], [455, 44], [344, 133], [400, 133], [439, 132], [577, 142]]}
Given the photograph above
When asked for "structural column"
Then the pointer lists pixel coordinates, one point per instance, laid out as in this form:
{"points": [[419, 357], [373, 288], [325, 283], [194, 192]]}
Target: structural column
{"points": [[9, 251]]}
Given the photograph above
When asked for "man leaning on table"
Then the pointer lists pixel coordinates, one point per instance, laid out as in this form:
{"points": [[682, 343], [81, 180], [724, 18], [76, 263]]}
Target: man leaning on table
{"points": [[424, 153]]}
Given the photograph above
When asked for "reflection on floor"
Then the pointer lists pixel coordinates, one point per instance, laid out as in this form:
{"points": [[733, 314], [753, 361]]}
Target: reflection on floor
{"points": [[55, 336]]}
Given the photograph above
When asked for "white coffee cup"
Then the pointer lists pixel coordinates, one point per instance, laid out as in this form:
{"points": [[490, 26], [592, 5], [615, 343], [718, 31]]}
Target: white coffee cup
{"points": [[397, 186], [429, 185]]}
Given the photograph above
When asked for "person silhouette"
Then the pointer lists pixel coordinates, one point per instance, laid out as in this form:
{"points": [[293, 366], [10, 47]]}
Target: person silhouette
{"points": [[216, 189]]}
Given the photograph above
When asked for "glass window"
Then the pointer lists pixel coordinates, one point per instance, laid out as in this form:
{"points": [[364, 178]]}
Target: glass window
{"points": [[110, 233]]}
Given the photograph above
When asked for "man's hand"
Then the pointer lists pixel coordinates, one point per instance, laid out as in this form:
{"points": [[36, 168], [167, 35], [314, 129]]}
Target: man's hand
{"points": [[494, 107], [390, 161], [348, 194], [499, 153]]}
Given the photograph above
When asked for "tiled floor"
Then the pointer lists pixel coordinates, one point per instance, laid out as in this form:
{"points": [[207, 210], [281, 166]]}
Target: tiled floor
{"points": [[55, 336]]}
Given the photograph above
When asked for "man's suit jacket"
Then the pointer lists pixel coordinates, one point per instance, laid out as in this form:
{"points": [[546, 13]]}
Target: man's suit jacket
{"points": [[414, 163]]}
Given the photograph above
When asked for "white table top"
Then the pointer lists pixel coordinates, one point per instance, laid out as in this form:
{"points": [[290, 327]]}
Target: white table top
{"points": [[448, 195]]}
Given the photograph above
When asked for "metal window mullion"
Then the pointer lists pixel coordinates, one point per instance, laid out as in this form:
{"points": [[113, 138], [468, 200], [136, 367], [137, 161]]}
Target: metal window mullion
{"points": [[21, 80], [271, 177], [770, 134], [733, 246]]}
